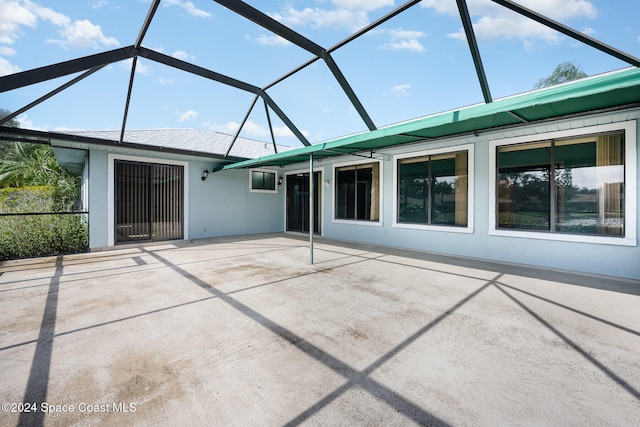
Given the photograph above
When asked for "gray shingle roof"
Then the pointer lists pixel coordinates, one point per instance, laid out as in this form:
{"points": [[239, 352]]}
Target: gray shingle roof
{"points": [[190, 140]]}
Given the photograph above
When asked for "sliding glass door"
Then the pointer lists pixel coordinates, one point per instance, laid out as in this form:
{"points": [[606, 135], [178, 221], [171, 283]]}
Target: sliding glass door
{"points": [[298, 202], [148, 201]]}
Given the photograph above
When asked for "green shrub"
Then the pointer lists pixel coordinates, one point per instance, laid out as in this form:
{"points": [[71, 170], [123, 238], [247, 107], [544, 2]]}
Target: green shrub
{"points": [[42, 235], [27, 199], [24, 236]]}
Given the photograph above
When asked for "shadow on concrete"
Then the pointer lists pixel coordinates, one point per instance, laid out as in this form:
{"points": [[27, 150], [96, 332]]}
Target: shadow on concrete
{"points": [[582, 352], [608, 283], [38, 383], [573, 310], [354, 377], [361, 379], [557, 304], [159, 310], [137, 262]]}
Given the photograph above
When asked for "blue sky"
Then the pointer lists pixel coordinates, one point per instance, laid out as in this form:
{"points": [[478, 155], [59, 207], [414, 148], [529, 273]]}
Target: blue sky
{"points": [[414, 65]]}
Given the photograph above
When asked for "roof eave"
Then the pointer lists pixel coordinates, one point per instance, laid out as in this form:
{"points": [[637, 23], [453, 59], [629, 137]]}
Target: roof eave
{"points": [[54, 138]]}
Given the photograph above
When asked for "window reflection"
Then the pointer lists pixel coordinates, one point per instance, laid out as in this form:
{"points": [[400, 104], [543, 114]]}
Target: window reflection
{"points": [[433, 189], [571, 186]]}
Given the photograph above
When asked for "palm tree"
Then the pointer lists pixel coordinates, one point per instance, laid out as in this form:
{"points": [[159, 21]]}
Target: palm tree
{"points": [[30, 164], [564, 72], [27, 164]]}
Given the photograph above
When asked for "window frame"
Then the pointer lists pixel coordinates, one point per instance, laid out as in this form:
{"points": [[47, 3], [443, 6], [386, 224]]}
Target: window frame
{"points": [[468, 229], [263, 190], [334, 180], [630, 176]]}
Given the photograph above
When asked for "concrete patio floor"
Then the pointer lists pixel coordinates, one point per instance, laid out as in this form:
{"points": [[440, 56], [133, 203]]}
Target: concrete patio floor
{"points": [[243, 331]]}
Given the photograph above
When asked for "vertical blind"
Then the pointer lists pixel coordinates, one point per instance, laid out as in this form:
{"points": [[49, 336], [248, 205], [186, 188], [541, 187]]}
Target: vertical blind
{"points": [[148, 201]]}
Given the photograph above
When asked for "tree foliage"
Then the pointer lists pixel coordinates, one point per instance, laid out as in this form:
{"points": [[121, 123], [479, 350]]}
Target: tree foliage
{"points": [[13, 123], [564, 72], [32, 181], [29, 164], [26, 164]]}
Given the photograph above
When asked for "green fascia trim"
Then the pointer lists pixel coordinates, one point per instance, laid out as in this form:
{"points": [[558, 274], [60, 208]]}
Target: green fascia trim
{"points": [[589, 94]]}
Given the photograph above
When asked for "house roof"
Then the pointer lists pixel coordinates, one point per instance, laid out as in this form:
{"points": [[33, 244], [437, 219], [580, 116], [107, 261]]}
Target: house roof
{"points": [[191, 140], [70, 146], [592, 94]]}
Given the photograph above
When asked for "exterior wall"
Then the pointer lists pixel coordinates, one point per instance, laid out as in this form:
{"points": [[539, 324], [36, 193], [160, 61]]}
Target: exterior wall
{"points": [[478, 242], [222, 205], [98, 201]]}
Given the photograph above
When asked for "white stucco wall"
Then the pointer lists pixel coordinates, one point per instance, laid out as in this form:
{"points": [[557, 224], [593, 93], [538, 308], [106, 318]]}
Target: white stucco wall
{"points": [[98, 202], [222, 205], [615, 259]]}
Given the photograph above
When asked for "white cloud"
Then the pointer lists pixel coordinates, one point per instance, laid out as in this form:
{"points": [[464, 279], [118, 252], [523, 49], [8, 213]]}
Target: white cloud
{"points": [[7, 67], [555, 9], [266, 40], [321, 18], [49, 15], [99, 4], [180, 54], [405, 40], [347, 14], [285, 132], [400, 90], [25, 123], [187, 115], [254, 130], [165, 81], [444, 7], [14, 17], [7, 51], [250, 128], [140, 67], [366, 5], [81, 33], [509, 27], [65, 129], [84, 34], [189, 7], [492, 21]]}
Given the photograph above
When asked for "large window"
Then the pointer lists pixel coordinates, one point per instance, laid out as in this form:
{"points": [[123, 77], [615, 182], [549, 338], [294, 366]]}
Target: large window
{"points": [[433, 189], [570, 185], [358, 192]]}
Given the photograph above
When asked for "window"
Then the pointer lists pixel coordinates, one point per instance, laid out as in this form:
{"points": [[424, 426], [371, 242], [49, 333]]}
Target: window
{"points": [[433, 189], [572, 185], [263, 180], [358, 192]]}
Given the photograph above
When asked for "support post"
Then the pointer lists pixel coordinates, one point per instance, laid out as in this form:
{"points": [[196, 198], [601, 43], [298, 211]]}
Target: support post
{"points": [[311, 209]]}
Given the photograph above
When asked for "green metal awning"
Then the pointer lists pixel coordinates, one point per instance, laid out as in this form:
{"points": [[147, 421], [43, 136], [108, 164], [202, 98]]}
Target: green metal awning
{"points": [[590, 94]]}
